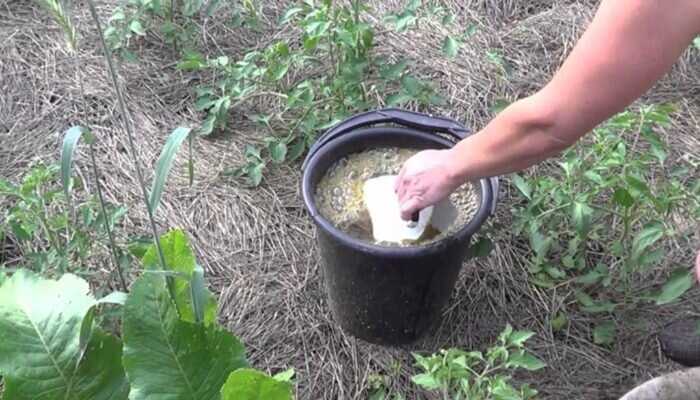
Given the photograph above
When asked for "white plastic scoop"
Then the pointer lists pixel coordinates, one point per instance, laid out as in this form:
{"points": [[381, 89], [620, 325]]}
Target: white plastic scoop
{"points": [[384, 211]]}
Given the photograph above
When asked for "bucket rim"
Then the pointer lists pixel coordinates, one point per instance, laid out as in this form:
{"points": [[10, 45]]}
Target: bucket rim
{"points": [[464, 233]]}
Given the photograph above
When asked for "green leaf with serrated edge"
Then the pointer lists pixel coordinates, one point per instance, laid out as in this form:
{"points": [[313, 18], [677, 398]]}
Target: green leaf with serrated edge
{"points": [[604, 333], [164, 164], [255, 174], [450, 46], [523, 186], [70, 142], [678, 283], [249, 384], [41, 321], [179, 257], [646, 238], [136, 27], [581, 214], [623, 198], [426, 381], [525, 360], [165, 357], [296, 149], [278, 151], [518, 338]]}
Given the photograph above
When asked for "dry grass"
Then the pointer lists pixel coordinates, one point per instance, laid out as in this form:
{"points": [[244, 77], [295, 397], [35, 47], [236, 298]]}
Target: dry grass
{"points": [[258, 245]]}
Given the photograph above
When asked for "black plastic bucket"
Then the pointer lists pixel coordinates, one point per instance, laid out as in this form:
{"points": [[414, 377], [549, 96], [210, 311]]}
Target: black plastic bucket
{"points": [[389, 295]]}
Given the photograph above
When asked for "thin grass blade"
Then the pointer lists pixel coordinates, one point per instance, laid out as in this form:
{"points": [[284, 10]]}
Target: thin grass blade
{"points": [[70, 142], [164, 164]]}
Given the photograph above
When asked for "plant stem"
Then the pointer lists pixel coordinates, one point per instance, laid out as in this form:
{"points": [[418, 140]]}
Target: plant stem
{"points": [[110, 237], [100, 198], [128, 128]]}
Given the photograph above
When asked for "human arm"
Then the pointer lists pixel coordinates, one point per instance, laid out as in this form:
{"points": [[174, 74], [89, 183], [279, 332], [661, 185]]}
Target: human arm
{"points": [[629, 45]]}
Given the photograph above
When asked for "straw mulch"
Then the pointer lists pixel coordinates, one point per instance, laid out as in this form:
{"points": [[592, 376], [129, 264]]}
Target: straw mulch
{"points": [[257, 245]]}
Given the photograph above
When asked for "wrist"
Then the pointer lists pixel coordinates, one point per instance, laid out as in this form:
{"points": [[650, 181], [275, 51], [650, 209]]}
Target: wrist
{"points": [[455, 168]]}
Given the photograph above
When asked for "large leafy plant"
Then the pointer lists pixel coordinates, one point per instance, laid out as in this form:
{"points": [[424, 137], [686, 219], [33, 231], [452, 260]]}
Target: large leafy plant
{"points": [[172, 345]]}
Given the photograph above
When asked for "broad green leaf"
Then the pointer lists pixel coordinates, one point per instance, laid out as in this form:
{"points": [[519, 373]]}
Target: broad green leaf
{"points": [[482, 247], [604, 333], [426, 381], [164, 164], [518, 338], [212, 7], [540, 243], [192, 61], [167, 358], [525, 360], [296, 149], [450, 46], [249, 384], [523, 186], [255, 174], [278, 151], [192, 298], [623, 198], [113, 298], [503, 391], [136, 27], [41, 322], [70, 142], [289, 14], [638, 186], [696, 42], [646, 238], [679, 282], [581, 215]]}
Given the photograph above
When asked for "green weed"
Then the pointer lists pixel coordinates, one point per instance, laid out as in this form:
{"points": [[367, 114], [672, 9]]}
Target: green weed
{"points": [[334, 39], [600, 220], [51, 239], [456, 374]]}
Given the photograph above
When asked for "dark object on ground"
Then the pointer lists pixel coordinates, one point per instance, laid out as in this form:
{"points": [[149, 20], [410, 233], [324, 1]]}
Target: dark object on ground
{"points": [[680, 341]]}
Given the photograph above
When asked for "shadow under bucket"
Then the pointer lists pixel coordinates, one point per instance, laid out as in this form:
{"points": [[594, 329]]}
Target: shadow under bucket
{"points": [[389, 295]]}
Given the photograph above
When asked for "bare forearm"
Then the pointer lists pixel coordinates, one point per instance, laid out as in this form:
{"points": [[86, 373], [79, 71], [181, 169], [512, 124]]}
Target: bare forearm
{"points": [[621, 55], [519, 137]]}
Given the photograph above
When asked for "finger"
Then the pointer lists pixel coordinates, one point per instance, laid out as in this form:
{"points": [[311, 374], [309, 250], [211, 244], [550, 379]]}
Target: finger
{"points": [[410, 207], [404, 188], [399, 180]]}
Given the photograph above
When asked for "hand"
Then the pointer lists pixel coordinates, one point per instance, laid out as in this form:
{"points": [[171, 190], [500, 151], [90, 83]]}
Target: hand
{"points": [[425, 179]]}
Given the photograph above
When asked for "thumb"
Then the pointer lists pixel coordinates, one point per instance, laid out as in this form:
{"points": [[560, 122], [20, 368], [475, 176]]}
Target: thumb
{"points": [[409, 207]]}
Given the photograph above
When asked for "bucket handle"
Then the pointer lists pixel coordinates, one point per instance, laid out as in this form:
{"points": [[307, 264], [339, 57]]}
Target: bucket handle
{"points": [[422, 122], [410, 119]]}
